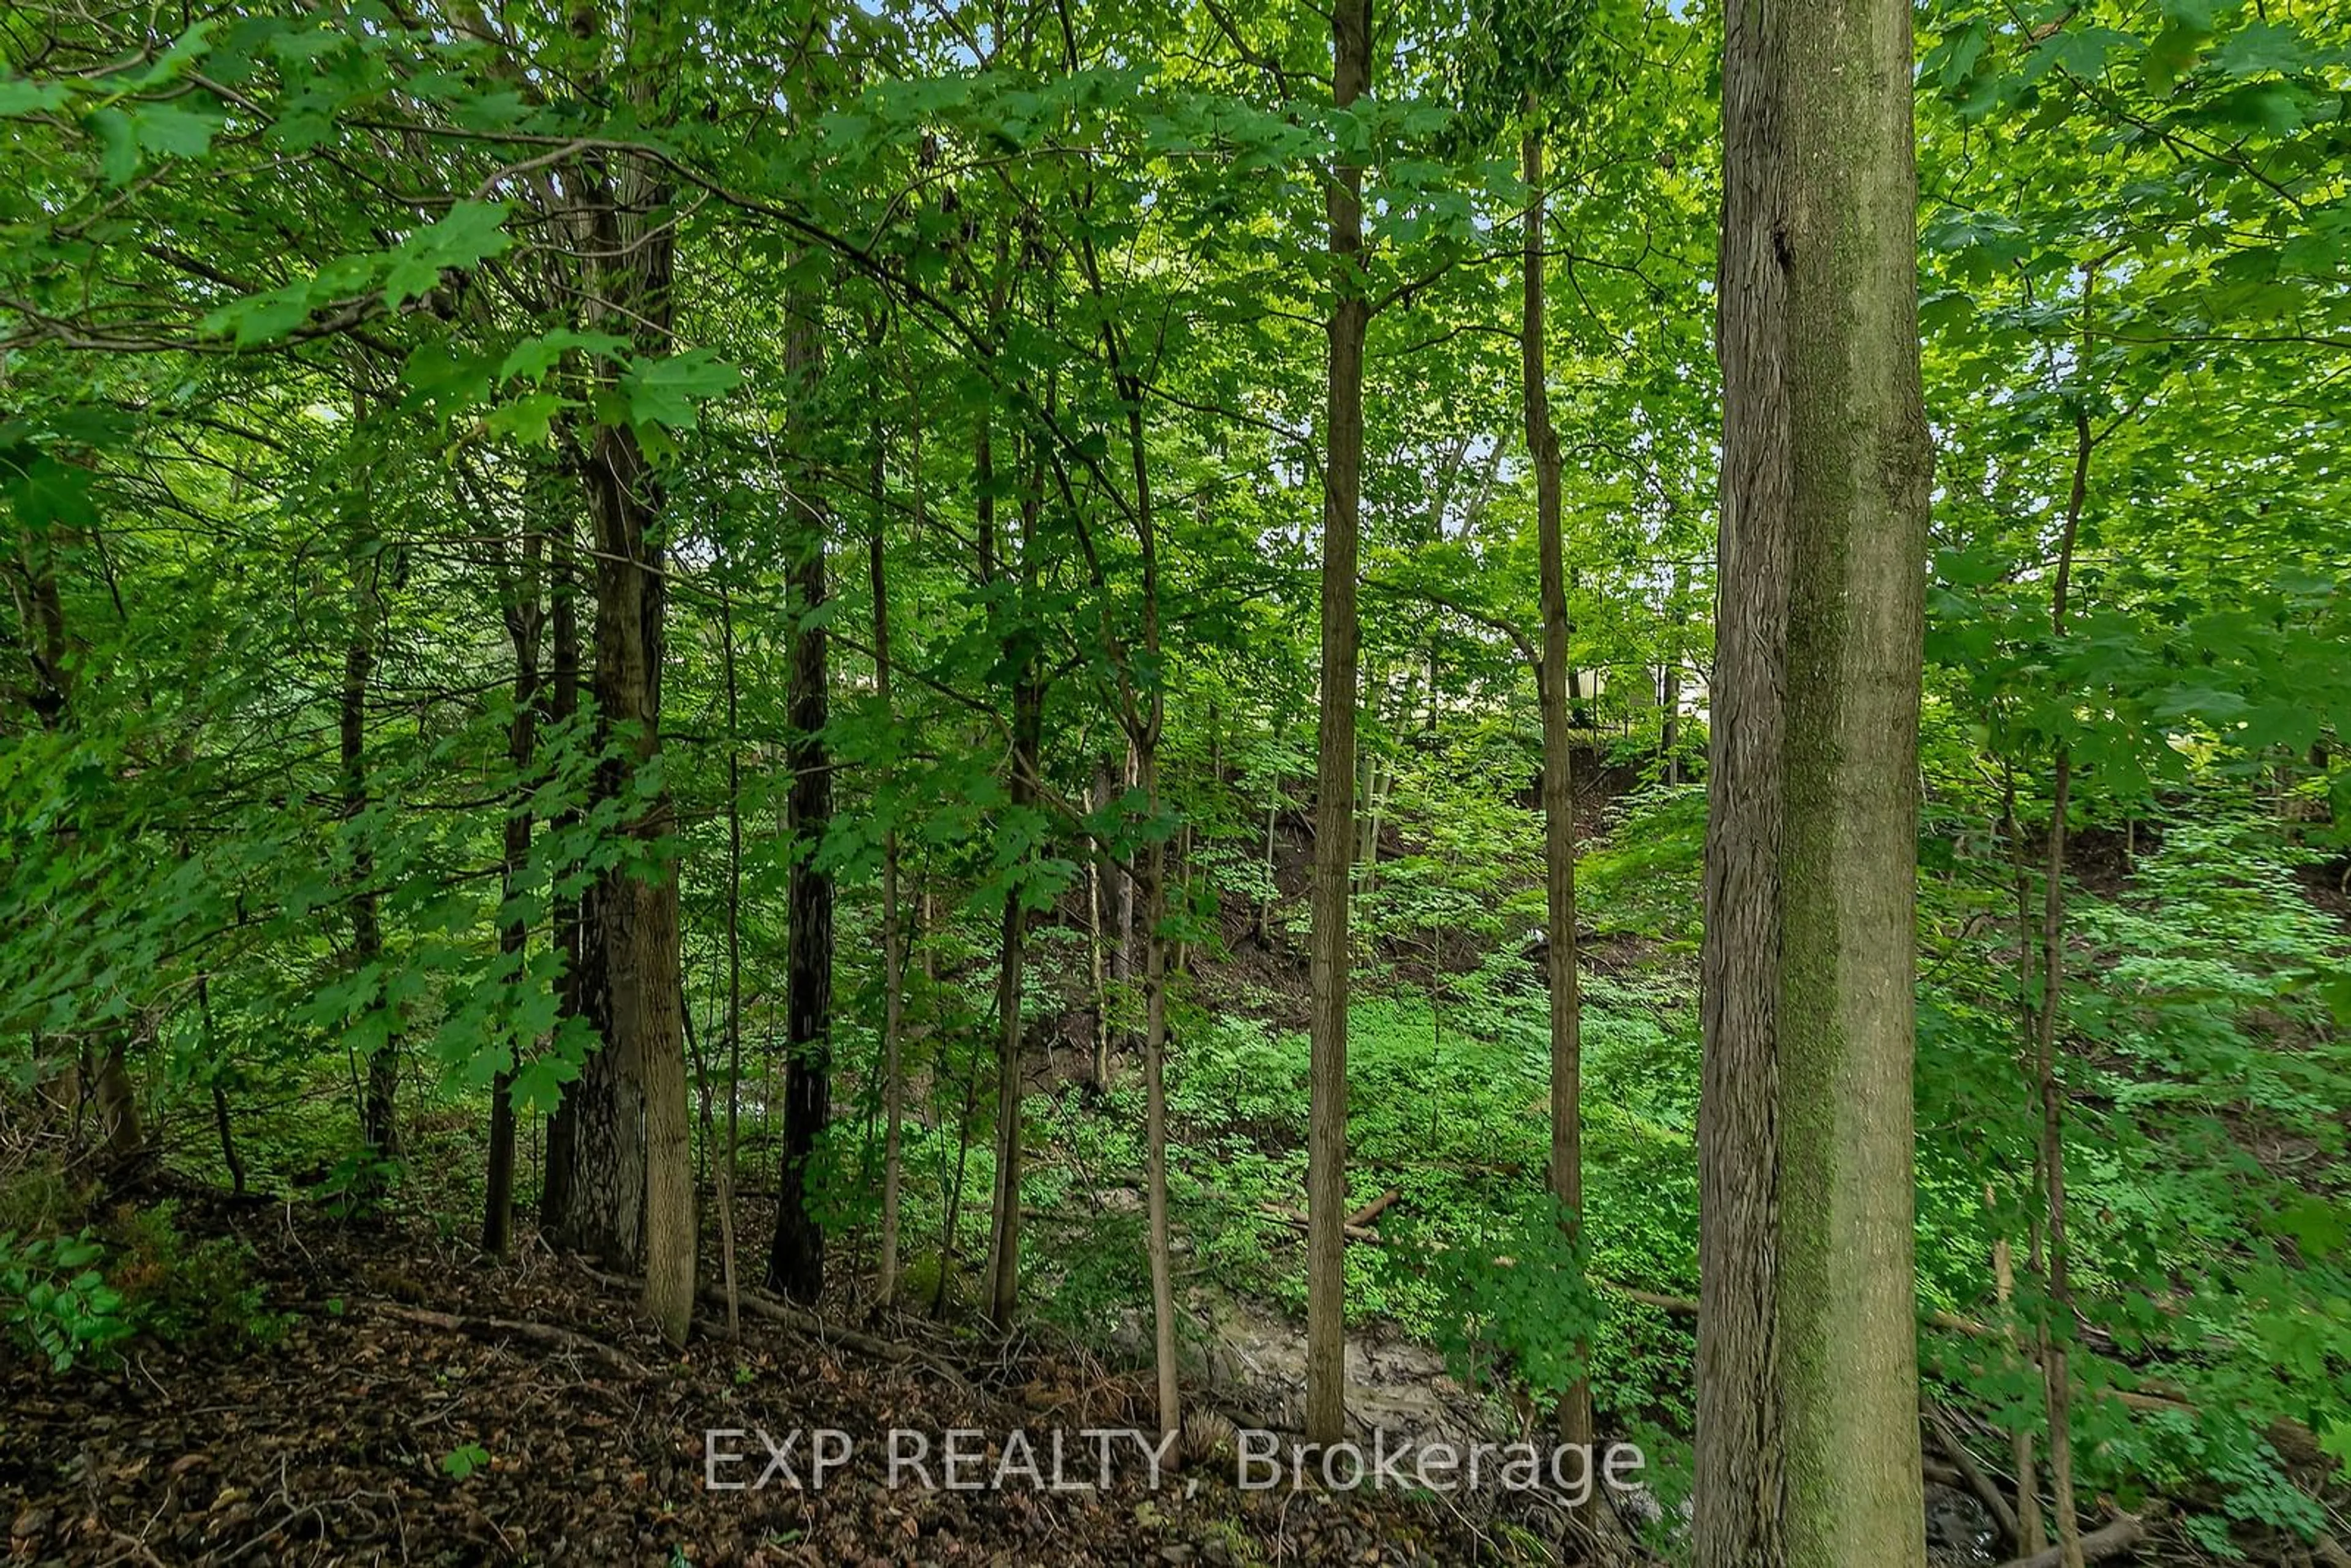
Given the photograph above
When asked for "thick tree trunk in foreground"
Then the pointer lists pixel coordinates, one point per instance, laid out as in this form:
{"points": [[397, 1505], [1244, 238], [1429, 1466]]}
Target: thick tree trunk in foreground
{"points": [[1558, 771], [632, 1189], [1808, 1420], [1334, 765], [795, 1265], [632, 1195]]}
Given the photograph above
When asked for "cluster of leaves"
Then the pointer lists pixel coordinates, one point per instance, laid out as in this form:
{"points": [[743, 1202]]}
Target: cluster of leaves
{"points": [[56, 1298], [74, 1299]]}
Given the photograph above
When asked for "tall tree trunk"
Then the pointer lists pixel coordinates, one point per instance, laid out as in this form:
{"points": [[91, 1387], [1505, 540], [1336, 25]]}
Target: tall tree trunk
{"points": [[1154, 1090], [2049, 1084], [1123, 915], [893, 944], [1145, 723], [797, 1264], [632, 1191], [1335, 770], [379, 1098], [726, 1169], [1558, 771], [522, 607], [1807, 1378], [556, 1182], [221, 1127], [2029, 1537], [103, 1077], [1027, 735], [1669, 734], [1097, 864]]}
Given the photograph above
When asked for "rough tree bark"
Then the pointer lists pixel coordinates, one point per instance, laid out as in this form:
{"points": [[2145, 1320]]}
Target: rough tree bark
{"points": [[1334, 770], [631, 1193], [1808, 1450]]}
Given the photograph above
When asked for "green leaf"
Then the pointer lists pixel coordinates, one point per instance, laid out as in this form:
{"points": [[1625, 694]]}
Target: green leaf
{"points": [[262, 317], [177, 61], [665, 392], [173, 132], [117, 144], [2263, 47], [23, 95], [472, 231], [52, 494], [2275, 108], [529, 418], [534, 357]]}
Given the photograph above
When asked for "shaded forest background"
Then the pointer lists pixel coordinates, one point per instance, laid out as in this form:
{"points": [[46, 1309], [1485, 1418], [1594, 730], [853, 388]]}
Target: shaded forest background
{"points": [[696, 637]]}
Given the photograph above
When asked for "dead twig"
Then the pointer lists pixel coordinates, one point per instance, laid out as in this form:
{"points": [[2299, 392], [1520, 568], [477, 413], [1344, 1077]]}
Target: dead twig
{"points": [[493, 1329]]}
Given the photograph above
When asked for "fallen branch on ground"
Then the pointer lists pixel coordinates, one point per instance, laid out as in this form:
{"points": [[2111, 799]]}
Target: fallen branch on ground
{"points": [[546, 1334], [760, 1304], [2012, 1529], [1298, 1221], [2124, 1532]]}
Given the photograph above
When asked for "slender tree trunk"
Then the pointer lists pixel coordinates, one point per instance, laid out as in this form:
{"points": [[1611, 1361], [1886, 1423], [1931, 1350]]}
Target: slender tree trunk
{"points": [[1095, 973], [555, 1183], [1146, 730], [2029, 1536], [893, 945], [1123, 916], [2048, 1083], [220, 1095], [2050, 1090], [103, 1077], [797, 1265], [379, 1105], [523, 618], [1028, 727], [1670, 730], [1155, 1099], [1272, 889], [1334, 772], [726, 1169], [1559, 778], [1808, 1449]]}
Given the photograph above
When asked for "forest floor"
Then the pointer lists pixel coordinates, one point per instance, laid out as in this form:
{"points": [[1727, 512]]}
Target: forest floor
{"points": [[420, 1405]]}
